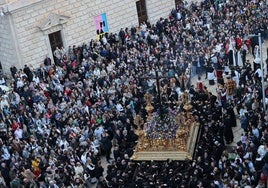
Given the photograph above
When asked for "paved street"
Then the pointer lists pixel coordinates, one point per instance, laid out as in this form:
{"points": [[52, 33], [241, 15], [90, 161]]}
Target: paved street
{"points": [[236, 130]]}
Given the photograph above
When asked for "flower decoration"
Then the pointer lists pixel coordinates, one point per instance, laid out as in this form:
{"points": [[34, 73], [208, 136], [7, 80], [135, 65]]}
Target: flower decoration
{"points": [[162, 126]]}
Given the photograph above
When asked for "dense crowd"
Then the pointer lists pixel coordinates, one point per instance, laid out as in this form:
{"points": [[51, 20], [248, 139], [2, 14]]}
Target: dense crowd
{"points": [[59, 119]]}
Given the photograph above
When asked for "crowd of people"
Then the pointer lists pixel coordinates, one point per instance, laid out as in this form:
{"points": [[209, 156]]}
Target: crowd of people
{"points": [[58, 120]]}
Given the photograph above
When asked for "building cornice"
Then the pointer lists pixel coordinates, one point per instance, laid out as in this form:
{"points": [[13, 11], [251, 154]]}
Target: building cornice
{"points": [[52, 20], [19, 4]]}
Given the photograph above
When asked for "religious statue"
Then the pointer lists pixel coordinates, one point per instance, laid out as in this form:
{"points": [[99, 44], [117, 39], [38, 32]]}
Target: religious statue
{"points": [[167, 135]]}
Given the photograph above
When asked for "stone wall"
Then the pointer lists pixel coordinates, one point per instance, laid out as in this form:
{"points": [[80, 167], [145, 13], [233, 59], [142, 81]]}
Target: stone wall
{"points": [[34, 44], [159, 8], [30, 44], [4, 37], [8, 54]]}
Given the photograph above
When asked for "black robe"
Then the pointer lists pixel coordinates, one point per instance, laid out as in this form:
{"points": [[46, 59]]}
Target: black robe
{"points": [[228, 132], [231, 113]]}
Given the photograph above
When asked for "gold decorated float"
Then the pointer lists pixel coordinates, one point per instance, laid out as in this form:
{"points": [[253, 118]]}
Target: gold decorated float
{"points": [[170, 136]]}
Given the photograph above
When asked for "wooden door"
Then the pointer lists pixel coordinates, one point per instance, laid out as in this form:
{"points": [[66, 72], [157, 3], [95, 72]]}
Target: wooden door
{"points": [[141, 10], [55, 40], [178, 2]]}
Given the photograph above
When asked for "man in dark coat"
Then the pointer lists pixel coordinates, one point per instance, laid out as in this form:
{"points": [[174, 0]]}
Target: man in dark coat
{"points": [[228, 132], [13, 70], [5, 173], [28, 72], [122, 35], [231, 113], [106, 145]]}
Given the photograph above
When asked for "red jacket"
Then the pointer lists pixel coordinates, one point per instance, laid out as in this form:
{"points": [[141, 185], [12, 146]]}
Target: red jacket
{"points": [[239, 43], [16, 125]]}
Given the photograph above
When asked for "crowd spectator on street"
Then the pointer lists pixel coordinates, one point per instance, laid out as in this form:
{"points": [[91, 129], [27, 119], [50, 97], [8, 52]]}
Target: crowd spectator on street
{"points": [[58, 120]]}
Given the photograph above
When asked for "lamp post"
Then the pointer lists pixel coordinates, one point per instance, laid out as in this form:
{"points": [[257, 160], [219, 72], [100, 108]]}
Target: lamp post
{"points": [[262, 78], [261, 62]]}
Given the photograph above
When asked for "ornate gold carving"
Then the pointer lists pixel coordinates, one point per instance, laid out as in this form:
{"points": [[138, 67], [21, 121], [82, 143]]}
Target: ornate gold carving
{"points": [[178, 145], [149, 107]]}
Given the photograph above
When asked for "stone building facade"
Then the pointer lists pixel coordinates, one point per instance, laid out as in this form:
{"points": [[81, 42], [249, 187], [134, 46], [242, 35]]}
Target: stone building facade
{"points": [[30, 29]]}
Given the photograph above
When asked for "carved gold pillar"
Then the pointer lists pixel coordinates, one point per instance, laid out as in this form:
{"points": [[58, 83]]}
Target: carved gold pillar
{"points": [[139, 122], [149, 107]]}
